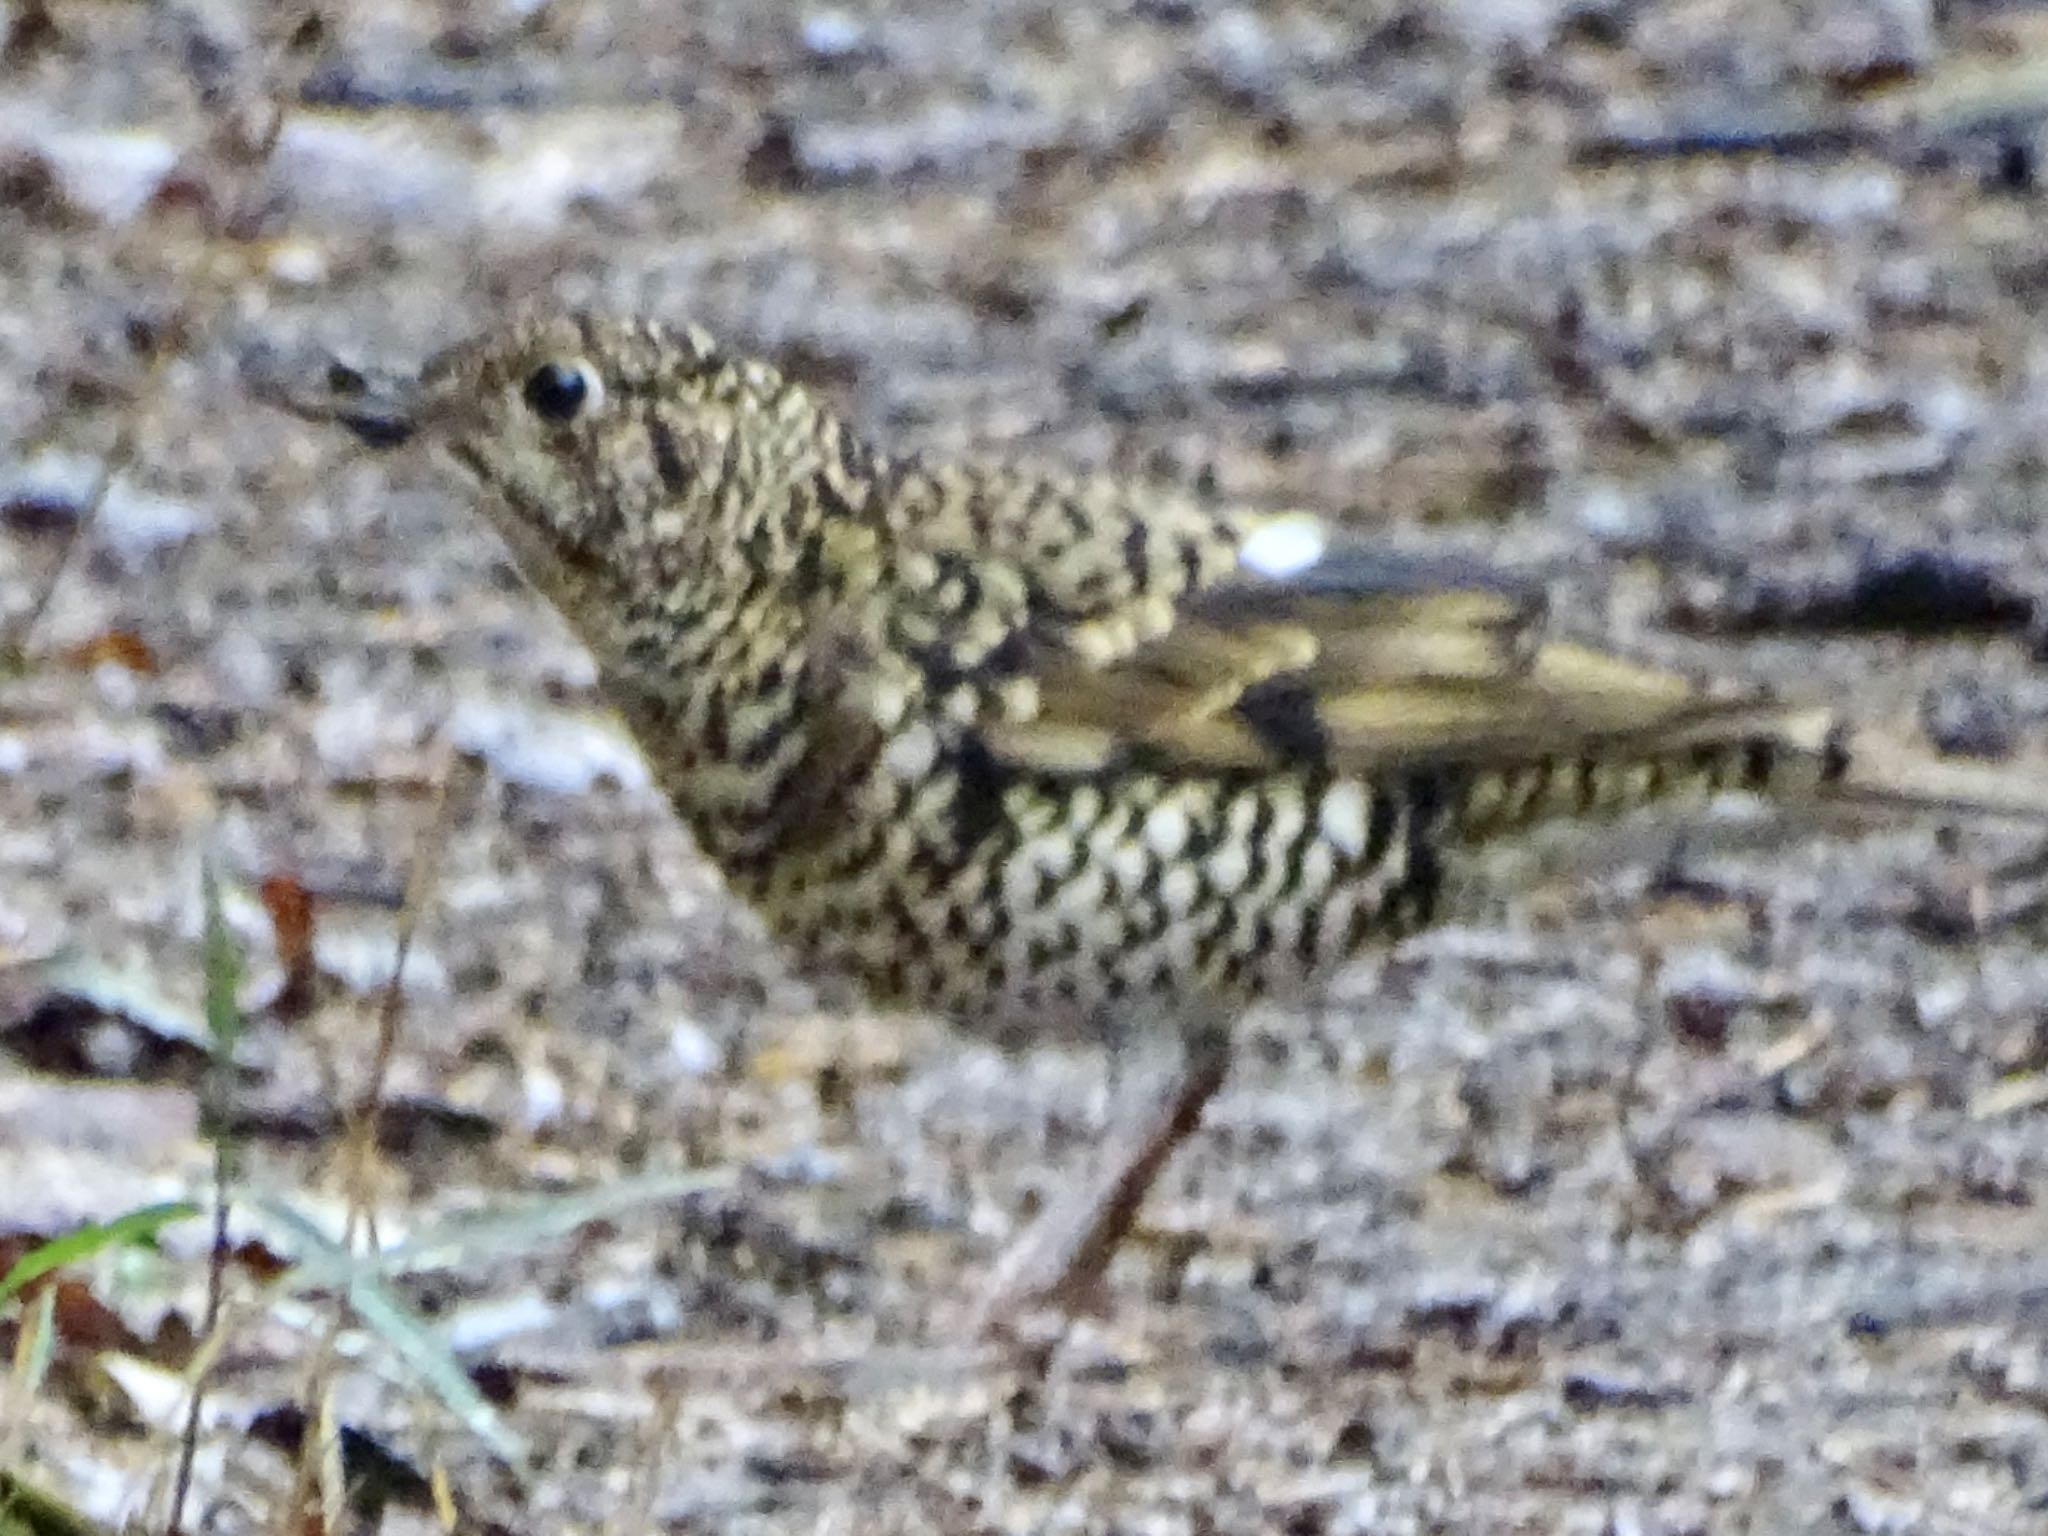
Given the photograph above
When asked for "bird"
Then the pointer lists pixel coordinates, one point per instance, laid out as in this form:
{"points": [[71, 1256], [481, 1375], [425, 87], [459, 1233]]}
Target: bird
{"points": [[1052, 756]]}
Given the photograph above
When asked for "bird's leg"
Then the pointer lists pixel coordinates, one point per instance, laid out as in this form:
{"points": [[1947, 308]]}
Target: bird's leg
{"points": [[1059, 1265]]}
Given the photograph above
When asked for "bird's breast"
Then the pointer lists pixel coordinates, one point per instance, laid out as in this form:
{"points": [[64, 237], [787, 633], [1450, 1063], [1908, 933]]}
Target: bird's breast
{"points": [[1031, 908]]}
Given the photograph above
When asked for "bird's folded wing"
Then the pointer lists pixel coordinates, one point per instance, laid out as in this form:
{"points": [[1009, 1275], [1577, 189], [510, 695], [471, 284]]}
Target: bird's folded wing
{"points": [[1293, 643], [1356, 660]]}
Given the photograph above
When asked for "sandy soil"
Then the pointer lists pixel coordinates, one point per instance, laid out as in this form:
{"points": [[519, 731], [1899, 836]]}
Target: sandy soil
{"points": [[1694, 1193]]}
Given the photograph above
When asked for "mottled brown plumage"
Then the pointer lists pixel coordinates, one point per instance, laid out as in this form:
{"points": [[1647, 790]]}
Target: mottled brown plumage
{"points": [[1048, 756]]}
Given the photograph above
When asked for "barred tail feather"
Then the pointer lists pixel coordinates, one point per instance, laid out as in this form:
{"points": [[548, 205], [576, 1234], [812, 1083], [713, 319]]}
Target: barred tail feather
{"points": [[1788, 755]]}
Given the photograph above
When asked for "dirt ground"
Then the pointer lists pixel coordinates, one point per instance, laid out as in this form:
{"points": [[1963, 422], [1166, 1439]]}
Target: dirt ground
{"points": [[1694, 1192]]}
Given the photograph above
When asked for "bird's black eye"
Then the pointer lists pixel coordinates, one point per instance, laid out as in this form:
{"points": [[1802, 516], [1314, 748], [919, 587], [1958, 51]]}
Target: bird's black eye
{"points": [[556, 392]]}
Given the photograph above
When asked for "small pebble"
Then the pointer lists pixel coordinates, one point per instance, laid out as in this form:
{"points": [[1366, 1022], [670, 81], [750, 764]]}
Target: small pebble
{"points": [[1595, 1391], [833, 36], [1964, 718], [695, 1052]]}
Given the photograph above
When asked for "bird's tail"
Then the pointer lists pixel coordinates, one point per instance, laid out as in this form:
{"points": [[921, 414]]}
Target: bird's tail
{"points": [[1868, 767], [1699, 748]]}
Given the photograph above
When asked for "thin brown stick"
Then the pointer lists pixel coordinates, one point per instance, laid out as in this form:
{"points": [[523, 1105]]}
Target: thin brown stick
{"points": [[14, 644], [216, 1290], [359, 1145], [14, 647], [224, 1028], [261, 151], [325, 1434], [636, 1511], [360, 1148], [32, 1349]]}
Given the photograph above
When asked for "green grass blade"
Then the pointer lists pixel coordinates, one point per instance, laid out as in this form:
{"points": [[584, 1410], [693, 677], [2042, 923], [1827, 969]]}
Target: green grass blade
{"points": [[513, 1227], [82, 1243], [223, 959], [38, 1346], [27, 1511], [413, 1341]]}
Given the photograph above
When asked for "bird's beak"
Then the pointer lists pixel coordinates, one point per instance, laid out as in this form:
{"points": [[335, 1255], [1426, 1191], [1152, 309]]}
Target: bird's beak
{"points": [[384, 409]]}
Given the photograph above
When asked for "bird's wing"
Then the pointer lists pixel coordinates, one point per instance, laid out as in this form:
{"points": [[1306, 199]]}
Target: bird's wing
{"points": [[1101, 630], [1316, 647]]}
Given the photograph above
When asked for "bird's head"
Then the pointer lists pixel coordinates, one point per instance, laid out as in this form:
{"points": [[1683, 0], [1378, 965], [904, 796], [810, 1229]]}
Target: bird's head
{"points": [[615, 457]]}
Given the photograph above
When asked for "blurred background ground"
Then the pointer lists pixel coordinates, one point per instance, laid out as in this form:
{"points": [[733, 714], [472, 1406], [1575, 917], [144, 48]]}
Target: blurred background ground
{"points": [[1697, 1196]]}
